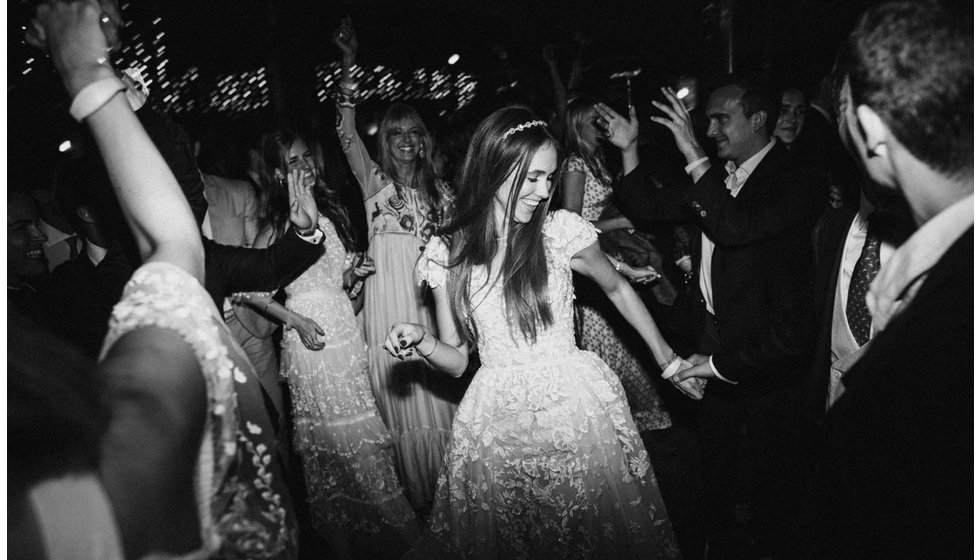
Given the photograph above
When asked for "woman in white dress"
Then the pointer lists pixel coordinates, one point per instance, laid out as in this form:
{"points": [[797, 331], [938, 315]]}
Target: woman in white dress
{"points": [[405, 203], [545, 460], [356, 502]]}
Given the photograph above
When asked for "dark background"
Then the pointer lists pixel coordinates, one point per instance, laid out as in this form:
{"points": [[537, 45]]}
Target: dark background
{"points": [[499, 43]]}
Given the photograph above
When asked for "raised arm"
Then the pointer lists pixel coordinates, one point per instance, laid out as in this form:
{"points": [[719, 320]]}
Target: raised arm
{"points": [[358, 157], [154, 387]]}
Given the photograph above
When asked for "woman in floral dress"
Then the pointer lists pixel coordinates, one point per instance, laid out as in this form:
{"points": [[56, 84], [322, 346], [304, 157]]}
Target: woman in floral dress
{"points": [[405, 203], [586, 189], [356, 503], [545, 460]]}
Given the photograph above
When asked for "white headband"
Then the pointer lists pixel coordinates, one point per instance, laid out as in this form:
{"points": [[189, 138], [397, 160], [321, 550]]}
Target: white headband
{"points": [[521, 127]]}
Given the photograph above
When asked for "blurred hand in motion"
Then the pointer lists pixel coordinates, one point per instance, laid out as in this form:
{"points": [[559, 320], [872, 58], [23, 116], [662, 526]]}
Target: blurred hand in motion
{"points": [[618, 130]]}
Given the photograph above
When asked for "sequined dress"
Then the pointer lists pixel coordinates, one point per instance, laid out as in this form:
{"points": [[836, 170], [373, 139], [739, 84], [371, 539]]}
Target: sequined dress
{"points": [[355, 499], [545, 460], [243, 503]]}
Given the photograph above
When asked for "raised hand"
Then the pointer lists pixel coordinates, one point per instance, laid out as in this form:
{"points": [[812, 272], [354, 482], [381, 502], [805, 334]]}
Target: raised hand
{"points": [[302, 206], [620, 132], [71, 32], [548, 54], [678, 120], [345, 38]]}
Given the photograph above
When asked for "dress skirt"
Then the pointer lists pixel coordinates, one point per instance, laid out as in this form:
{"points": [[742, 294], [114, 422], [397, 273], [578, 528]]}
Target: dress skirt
{"points": [[546, 462], [416, 403]]}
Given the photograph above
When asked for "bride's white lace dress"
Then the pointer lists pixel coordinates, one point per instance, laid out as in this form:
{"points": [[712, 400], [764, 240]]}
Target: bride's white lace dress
{"points": [[545, 460]]}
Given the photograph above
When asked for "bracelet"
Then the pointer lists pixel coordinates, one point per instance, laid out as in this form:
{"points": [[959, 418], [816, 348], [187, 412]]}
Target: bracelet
{"points": [[672, 367], [618, 265], [93, 96], [344, 99], [673, 356], [430, 351]]}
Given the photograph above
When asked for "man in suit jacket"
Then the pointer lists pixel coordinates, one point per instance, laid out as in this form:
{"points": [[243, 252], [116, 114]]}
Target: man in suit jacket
{"points": [[895, 476], [748, 311]]}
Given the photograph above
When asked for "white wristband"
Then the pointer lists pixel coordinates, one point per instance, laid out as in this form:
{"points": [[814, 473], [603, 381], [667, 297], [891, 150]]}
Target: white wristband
{"points": [[94, 96], [672, 368]]}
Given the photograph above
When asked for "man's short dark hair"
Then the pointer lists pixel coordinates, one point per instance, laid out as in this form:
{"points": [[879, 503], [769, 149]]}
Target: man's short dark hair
{"points": [[911, 62], [756, 96]]}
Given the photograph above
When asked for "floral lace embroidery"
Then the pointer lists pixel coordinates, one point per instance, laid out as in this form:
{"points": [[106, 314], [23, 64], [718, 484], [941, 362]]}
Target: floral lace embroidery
{"points": [[165, 296], [545, 460]]}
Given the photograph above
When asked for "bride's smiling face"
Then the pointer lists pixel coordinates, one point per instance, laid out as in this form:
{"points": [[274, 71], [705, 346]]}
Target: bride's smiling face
{"points": [[535, 187]]}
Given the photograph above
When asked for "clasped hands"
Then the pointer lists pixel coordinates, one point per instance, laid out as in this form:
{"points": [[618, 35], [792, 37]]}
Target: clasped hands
{"points": [[693, 376]]}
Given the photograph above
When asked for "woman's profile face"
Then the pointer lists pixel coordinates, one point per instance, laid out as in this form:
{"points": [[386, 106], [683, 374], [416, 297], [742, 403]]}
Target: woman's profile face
{"points": [[588, 131], [404, 140]]}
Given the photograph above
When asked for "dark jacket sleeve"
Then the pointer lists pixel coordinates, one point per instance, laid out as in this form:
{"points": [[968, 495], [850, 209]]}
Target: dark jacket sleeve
{"points": [[644, 200], [783, 346], [238, 269], [733, 222]]}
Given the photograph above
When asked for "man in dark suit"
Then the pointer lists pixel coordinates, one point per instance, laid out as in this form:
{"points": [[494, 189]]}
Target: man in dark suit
{"points": [[747, 307], [895, 476]]}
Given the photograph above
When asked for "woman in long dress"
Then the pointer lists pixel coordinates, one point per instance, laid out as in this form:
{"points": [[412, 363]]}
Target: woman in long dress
{"points": [[405, 203], [355, 500], [545, 460], [586, 189]]}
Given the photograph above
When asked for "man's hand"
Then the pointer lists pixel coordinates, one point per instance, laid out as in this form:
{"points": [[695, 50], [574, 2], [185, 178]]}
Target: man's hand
{"points": [[620, 132], [690, 387], [71, 33], [697, 359], [302, 206], [678, 120]]}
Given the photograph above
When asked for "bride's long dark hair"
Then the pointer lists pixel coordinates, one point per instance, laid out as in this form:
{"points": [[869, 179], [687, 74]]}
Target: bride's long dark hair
{"points": [[471, 236]]}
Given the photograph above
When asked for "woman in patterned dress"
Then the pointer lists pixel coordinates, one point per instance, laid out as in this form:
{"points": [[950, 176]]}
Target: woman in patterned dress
{"points": [[355, 500], [545, 460], [405, 203], [586, 189]]}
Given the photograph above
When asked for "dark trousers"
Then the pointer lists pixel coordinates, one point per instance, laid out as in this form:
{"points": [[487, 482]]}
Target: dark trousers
{"points": [[751, 462]]}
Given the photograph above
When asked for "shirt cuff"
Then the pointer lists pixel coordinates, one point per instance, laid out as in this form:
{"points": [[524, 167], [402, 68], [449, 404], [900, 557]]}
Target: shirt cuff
{"points": [[689, 168], [315, 238], [711, 362], [94, 253]]}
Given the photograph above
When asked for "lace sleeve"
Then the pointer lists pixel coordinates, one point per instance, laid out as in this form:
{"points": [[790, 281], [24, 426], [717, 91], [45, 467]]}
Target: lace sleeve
{"points": [[431, 268], [570, 232], [165, 296]]}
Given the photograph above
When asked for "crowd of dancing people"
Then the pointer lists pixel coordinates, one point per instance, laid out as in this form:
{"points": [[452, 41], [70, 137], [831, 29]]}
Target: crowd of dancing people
{"points": [[747, 334]]}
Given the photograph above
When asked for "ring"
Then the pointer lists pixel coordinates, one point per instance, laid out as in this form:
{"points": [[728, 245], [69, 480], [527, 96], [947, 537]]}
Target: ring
{"points": [[104, 18]]}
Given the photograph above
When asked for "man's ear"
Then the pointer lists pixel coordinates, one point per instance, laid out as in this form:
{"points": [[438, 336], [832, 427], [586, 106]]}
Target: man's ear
{"points": [[758, 120], [875, 131]]}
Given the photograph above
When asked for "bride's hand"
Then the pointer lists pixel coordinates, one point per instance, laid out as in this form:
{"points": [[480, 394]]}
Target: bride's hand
{"points": [[403, 338]]}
